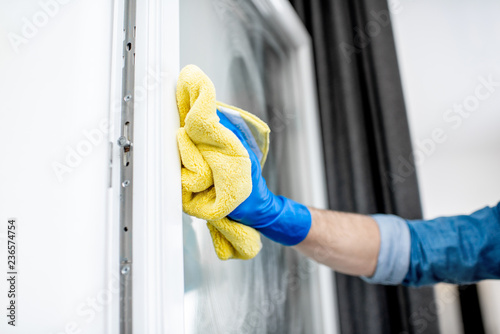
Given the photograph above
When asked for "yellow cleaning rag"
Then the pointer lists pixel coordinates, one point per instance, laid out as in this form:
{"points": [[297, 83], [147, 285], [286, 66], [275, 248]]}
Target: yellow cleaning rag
{"points": [[216, 168]]}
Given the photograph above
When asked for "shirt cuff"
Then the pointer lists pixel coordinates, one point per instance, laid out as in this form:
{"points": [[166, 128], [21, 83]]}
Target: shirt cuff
{"points": [[394, 255]]}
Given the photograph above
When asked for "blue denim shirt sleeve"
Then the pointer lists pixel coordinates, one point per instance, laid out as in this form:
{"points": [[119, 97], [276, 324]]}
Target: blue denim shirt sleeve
{"points": [[460, 249], [394, 254]]}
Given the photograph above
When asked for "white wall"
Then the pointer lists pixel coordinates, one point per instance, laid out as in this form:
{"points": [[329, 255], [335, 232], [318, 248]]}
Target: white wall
{"points": [[55, 88], [446, 49]]}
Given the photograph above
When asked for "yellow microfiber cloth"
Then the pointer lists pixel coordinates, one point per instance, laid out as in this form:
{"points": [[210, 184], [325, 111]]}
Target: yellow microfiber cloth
{"points": [[216, 168]]}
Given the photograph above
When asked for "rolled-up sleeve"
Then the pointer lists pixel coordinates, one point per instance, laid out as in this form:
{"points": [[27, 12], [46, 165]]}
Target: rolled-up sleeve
{"points": [[394, 254], [459, 249]]}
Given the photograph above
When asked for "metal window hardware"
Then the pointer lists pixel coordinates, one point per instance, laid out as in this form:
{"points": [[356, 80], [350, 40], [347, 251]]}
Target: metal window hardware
{"points": [[125, 143], [126, 168]]}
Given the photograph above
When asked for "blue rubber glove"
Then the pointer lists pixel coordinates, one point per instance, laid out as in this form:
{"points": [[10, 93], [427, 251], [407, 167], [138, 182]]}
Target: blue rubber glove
{"points": [[277, 217]]}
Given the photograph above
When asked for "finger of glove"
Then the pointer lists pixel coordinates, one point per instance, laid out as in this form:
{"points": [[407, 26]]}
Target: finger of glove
{"points": [[196, 174], [229, 125]]}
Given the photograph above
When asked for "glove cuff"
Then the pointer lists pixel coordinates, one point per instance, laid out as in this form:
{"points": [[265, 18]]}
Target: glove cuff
{"points": [[291, 225]]}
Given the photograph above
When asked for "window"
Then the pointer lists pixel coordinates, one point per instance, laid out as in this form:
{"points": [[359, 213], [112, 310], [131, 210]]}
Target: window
{"points": [[256, 68]]}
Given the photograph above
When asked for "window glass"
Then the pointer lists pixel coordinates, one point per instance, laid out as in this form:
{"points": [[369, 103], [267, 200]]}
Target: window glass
{"points": [[231, 43]]}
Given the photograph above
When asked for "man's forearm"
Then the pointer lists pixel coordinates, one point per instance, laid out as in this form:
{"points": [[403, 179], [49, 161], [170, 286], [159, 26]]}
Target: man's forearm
{"points": [[348, 243]]}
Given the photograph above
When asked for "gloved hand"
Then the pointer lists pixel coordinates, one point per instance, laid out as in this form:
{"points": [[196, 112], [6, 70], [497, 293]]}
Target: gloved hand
{"points": [[277, 217]]}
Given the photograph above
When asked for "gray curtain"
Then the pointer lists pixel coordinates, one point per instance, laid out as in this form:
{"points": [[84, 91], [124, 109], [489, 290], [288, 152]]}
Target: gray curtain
{"points": [[367, 148]]}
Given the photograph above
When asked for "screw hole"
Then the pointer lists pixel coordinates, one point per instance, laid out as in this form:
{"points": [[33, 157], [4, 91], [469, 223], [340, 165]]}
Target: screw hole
{"points": [[129, 46], [125, 228]]}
